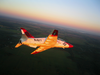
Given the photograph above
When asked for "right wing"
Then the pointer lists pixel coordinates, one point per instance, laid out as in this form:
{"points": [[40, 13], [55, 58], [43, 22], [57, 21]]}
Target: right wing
{"points": [[49, 43]]}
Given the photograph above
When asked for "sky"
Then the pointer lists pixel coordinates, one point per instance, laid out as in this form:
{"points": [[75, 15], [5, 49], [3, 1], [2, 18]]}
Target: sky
{"points": [[79, 14]]}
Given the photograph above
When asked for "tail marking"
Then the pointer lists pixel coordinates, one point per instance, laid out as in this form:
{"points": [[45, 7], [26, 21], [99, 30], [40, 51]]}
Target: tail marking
{"points": [[24, 31]]}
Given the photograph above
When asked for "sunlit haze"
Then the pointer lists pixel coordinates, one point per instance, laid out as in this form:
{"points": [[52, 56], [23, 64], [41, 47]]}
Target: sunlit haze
{"points": [[78, 14]]}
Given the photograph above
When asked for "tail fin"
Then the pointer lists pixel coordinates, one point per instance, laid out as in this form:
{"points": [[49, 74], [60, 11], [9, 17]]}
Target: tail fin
{"points": [[25, 36], [24, 31]]}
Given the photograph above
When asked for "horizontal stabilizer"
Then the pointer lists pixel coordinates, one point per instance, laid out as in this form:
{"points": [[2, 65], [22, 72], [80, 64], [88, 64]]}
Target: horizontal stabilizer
{"points": [[19, 44]]}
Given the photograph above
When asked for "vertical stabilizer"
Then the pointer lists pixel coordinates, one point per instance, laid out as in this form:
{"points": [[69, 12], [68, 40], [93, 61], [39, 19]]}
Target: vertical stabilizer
{"points": [[25, 32], [24, 37]]}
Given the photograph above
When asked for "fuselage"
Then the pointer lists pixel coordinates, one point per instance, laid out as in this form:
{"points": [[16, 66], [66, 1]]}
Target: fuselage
{"points": [[35, 42]]}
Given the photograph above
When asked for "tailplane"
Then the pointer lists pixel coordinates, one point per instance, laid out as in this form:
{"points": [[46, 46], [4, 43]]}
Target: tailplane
{"points": [[18, 44], [22, 39]]}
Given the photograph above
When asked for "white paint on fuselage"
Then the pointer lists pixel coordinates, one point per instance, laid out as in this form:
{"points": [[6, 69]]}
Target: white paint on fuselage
{"points": [[40, 41], [36, 40]]}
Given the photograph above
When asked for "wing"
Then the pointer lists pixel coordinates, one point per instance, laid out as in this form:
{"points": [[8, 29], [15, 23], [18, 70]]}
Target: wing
{"points": [[51, 39], [40, 49], [49, 42]]}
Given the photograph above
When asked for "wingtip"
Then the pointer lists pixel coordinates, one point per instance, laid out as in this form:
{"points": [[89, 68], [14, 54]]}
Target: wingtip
{"points": [[21, 28], [35, 52], [70, 45], [55, 33]]}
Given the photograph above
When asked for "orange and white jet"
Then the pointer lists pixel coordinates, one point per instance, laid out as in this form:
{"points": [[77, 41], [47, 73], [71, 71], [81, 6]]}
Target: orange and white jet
{"points": [[43, 43]]}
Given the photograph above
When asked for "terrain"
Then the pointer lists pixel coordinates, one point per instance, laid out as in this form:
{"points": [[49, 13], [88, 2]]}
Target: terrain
{"points": [[82, 59]]}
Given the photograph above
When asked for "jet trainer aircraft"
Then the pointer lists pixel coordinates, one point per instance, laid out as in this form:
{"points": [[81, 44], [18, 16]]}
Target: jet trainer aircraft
{"points": [[43, 43]]}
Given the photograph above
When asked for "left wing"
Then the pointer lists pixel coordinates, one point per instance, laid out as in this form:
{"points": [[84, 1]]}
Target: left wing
{"points": [[49, 42], [40, 49]]}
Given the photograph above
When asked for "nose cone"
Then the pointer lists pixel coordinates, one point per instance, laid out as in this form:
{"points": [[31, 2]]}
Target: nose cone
{"points": [[70, 46]]}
